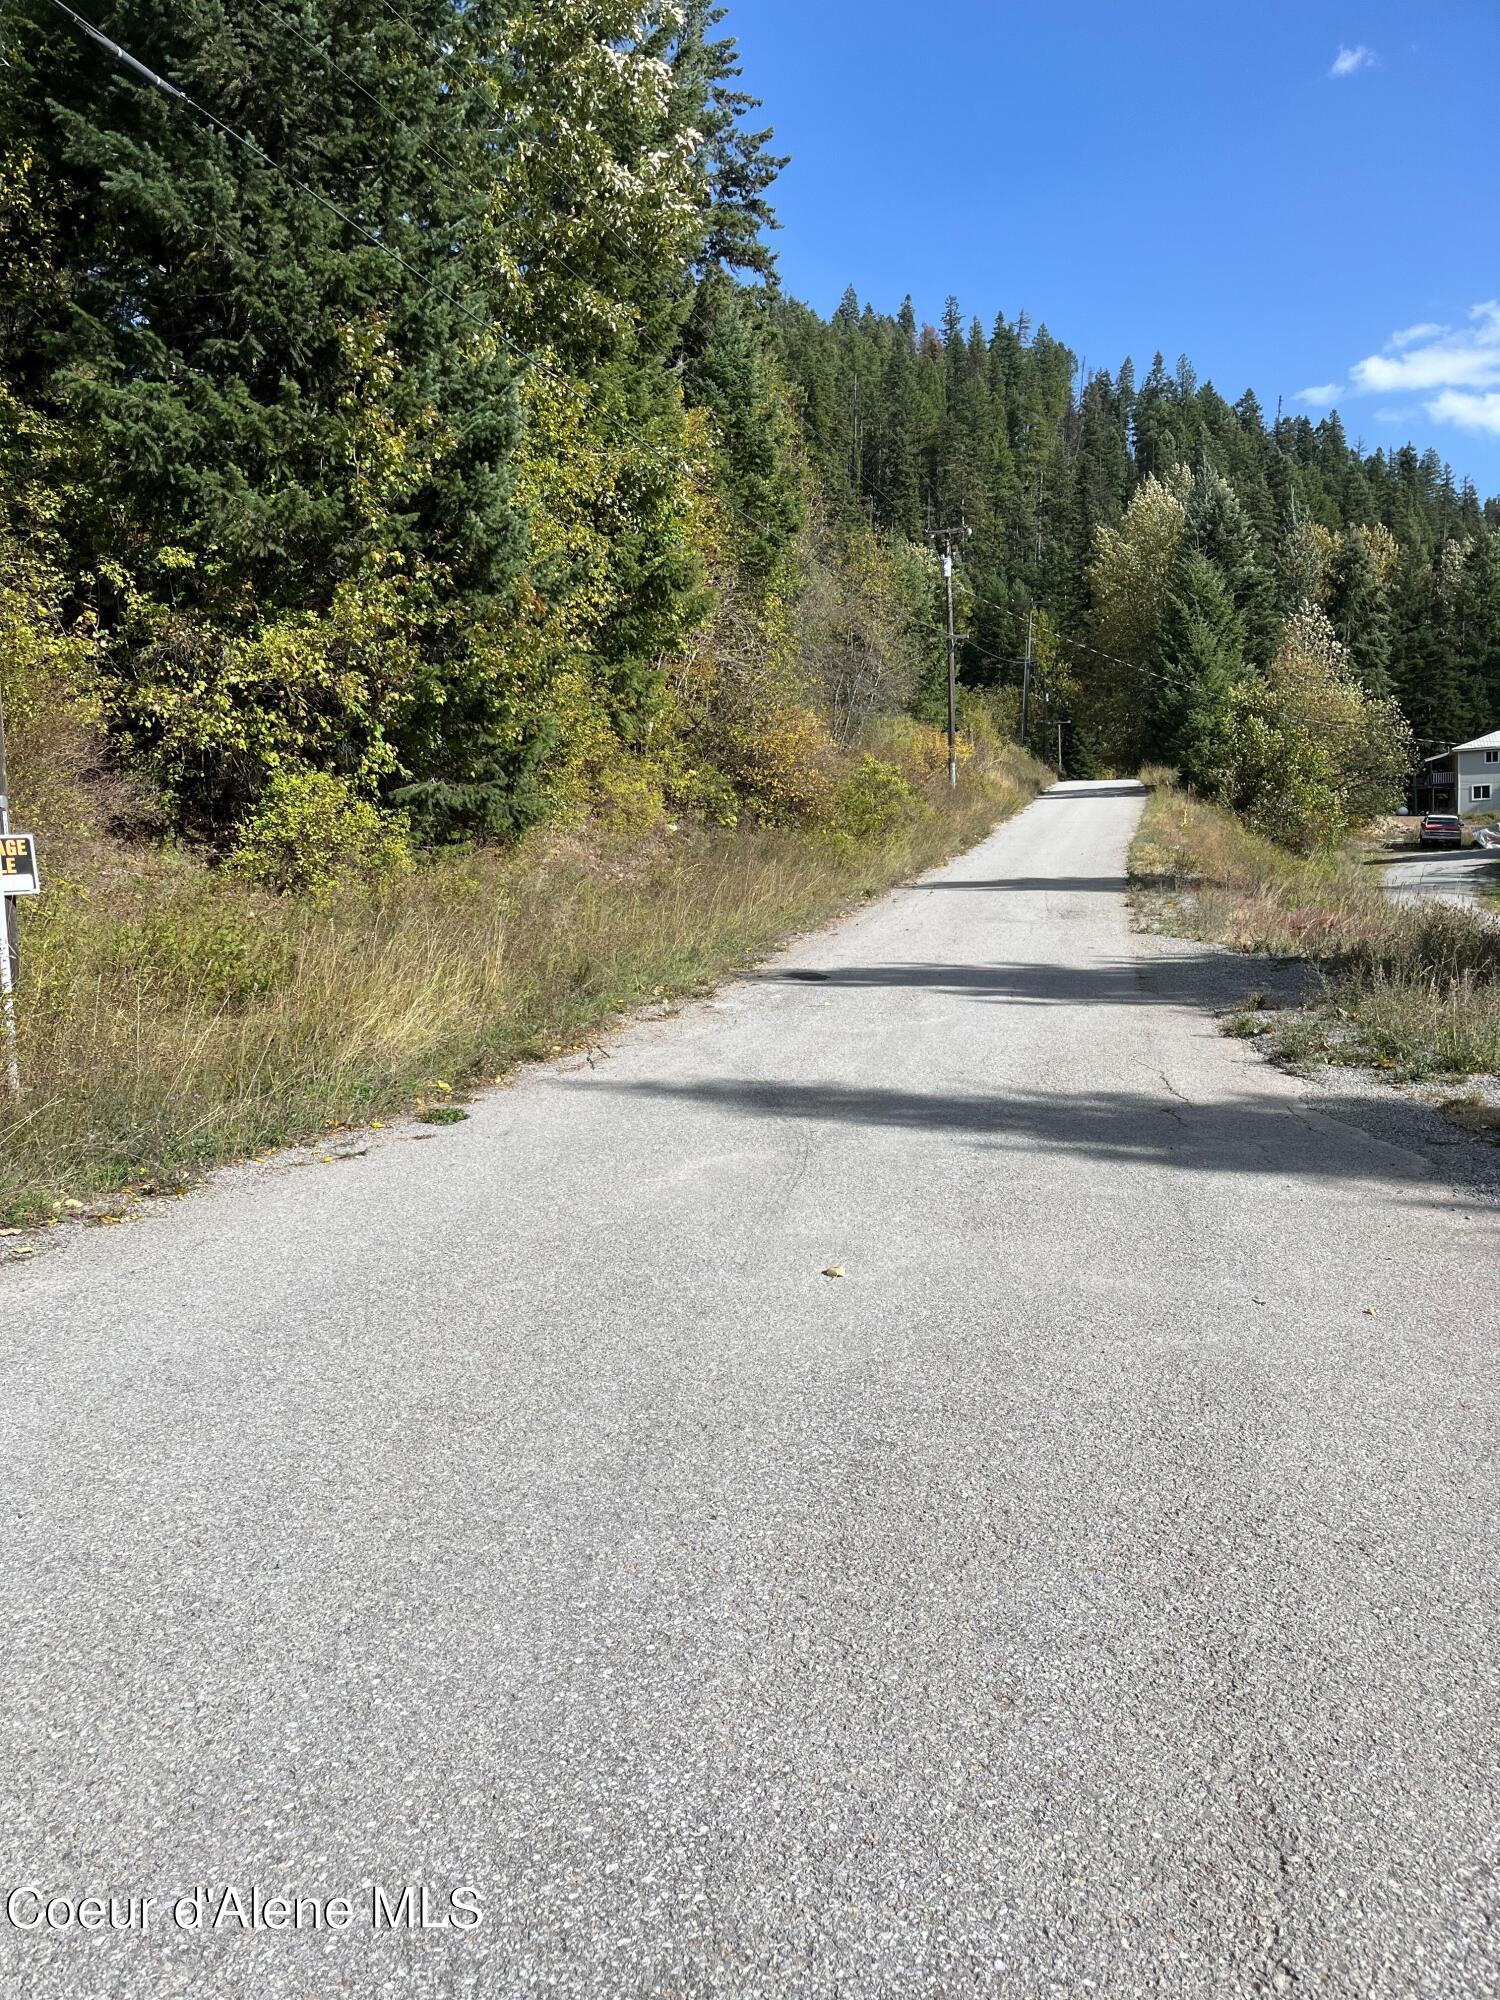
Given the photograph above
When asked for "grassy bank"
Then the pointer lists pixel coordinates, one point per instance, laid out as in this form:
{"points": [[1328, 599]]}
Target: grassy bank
{"points": [[173, 1018], [1414, 989]]}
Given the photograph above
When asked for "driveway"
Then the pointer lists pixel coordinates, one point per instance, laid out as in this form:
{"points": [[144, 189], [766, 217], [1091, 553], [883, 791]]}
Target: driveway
{"points": [[1094, 1590], [1443, 876]]}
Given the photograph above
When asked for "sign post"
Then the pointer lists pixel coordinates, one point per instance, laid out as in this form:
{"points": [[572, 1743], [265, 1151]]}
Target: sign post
{"points": [[18, 877]]}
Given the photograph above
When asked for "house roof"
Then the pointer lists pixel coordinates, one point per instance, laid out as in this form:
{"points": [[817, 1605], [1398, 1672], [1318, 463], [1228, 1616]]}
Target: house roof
{"points": [[1490, 742]]}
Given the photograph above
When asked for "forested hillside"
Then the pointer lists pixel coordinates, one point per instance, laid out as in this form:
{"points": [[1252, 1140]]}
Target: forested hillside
{"points": [[403, 458], [405, 439], [1163, 534]]}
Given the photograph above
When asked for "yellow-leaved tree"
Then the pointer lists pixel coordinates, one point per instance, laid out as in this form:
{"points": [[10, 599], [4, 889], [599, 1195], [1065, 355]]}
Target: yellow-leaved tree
{"points": [[1312, 755]]}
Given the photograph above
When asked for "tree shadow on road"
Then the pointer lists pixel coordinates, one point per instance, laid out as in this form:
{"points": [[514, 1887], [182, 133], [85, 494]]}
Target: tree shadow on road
{"points": [[1192, 976], [1058, 884], [1460, 858], [1123, 789], [1247, 1133], [1239, 1135]]}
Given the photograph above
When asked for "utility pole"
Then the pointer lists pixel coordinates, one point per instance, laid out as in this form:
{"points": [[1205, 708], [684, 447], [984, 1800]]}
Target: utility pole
{"points": [[948, 537], [1026, 679], [1059, 750]]}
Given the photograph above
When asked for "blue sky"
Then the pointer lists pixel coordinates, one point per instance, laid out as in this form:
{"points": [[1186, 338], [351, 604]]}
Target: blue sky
{"points": [[1304, 198]]}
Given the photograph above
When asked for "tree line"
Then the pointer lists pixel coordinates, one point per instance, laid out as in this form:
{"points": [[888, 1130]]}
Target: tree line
{"points": [[1180, 563], [405, 435]]}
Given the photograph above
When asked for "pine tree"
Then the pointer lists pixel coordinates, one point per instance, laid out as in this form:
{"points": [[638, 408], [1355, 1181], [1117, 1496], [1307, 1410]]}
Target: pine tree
{"points": [[1158, 443], [729, 373], [1479, 633], [1359, 609], [1200, 659], [738, 164], [264, 341], [1218, 529], [1426, 678], [895, 483]]}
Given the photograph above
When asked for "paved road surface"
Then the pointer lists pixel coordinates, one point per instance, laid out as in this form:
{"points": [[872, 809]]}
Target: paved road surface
{"points": [[1085, 1595], [1440, 875]]}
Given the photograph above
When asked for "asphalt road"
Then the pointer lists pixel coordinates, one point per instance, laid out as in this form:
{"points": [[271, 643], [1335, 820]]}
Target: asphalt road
{"points": [[1441, 875], [1095, 1591]]}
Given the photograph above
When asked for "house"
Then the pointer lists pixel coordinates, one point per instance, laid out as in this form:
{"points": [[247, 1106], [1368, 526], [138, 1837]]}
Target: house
{"points": [[1465, 779]]}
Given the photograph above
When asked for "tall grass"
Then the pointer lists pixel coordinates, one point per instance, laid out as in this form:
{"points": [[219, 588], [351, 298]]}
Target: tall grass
{"points": [[172, 1018], [1412, 987]]}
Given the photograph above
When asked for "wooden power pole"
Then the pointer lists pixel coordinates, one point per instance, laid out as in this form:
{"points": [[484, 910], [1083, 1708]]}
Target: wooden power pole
{"points": [[949, 538]]}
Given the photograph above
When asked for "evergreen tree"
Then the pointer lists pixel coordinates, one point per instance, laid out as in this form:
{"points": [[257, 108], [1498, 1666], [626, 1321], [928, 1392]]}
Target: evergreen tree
{"points": [[223, 340], [1200, 660], [1359, 610], [1426, 678], [1479, 633], [405, 476], [729, 373], [1218, 529], [1158, 445], [738, 164]]}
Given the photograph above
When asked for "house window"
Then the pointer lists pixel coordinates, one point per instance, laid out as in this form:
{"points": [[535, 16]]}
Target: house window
{"points": [[1479, 791], [1492, 756]]}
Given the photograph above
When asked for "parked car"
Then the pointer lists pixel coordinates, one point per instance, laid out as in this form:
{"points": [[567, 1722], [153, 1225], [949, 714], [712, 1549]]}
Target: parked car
{"points": [[1441, 830]]}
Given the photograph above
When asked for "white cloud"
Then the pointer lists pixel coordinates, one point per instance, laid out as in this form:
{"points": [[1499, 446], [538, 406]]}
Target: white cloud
{"points": [[1468, 411], [1454, 371], [1436, 357], [1425, 329], [1348, 61]]}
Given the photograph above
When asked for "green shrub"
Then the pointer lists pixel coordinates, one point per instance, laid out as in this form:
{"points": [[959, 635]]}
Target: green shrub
{"points": [[874, 799], [310, 829]]}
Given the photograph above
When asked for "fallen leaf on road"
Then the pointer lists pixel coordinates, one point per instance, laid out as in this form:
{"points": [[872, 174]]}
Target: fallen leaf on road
{"points": [[835, 1271]]}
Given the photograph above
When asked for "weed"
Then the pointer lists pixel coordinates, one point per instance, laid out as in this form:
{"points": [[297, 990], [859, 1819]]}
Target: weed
{"points": [[172, 1017], [1413, 989]]}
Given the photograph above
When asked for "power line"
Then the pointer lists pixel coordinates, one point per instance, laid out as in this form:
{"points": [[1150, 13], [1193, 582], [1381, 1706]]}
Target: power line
{"points": [[424, 145], [405, 21], [253, 147], [1074, 645]]}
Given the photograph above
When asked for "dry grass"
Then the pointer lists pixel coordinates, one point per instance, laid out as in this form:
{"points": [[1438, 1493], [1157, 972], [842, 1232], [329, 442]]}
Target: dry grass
{"points": [[172, 1019], [1413, 988]]}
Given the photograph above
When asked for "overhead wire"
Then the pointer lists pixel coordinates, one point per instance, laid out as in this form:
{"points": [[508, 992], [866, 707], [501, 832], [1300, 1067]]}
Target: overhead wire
{"points": [[528, 358]]}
